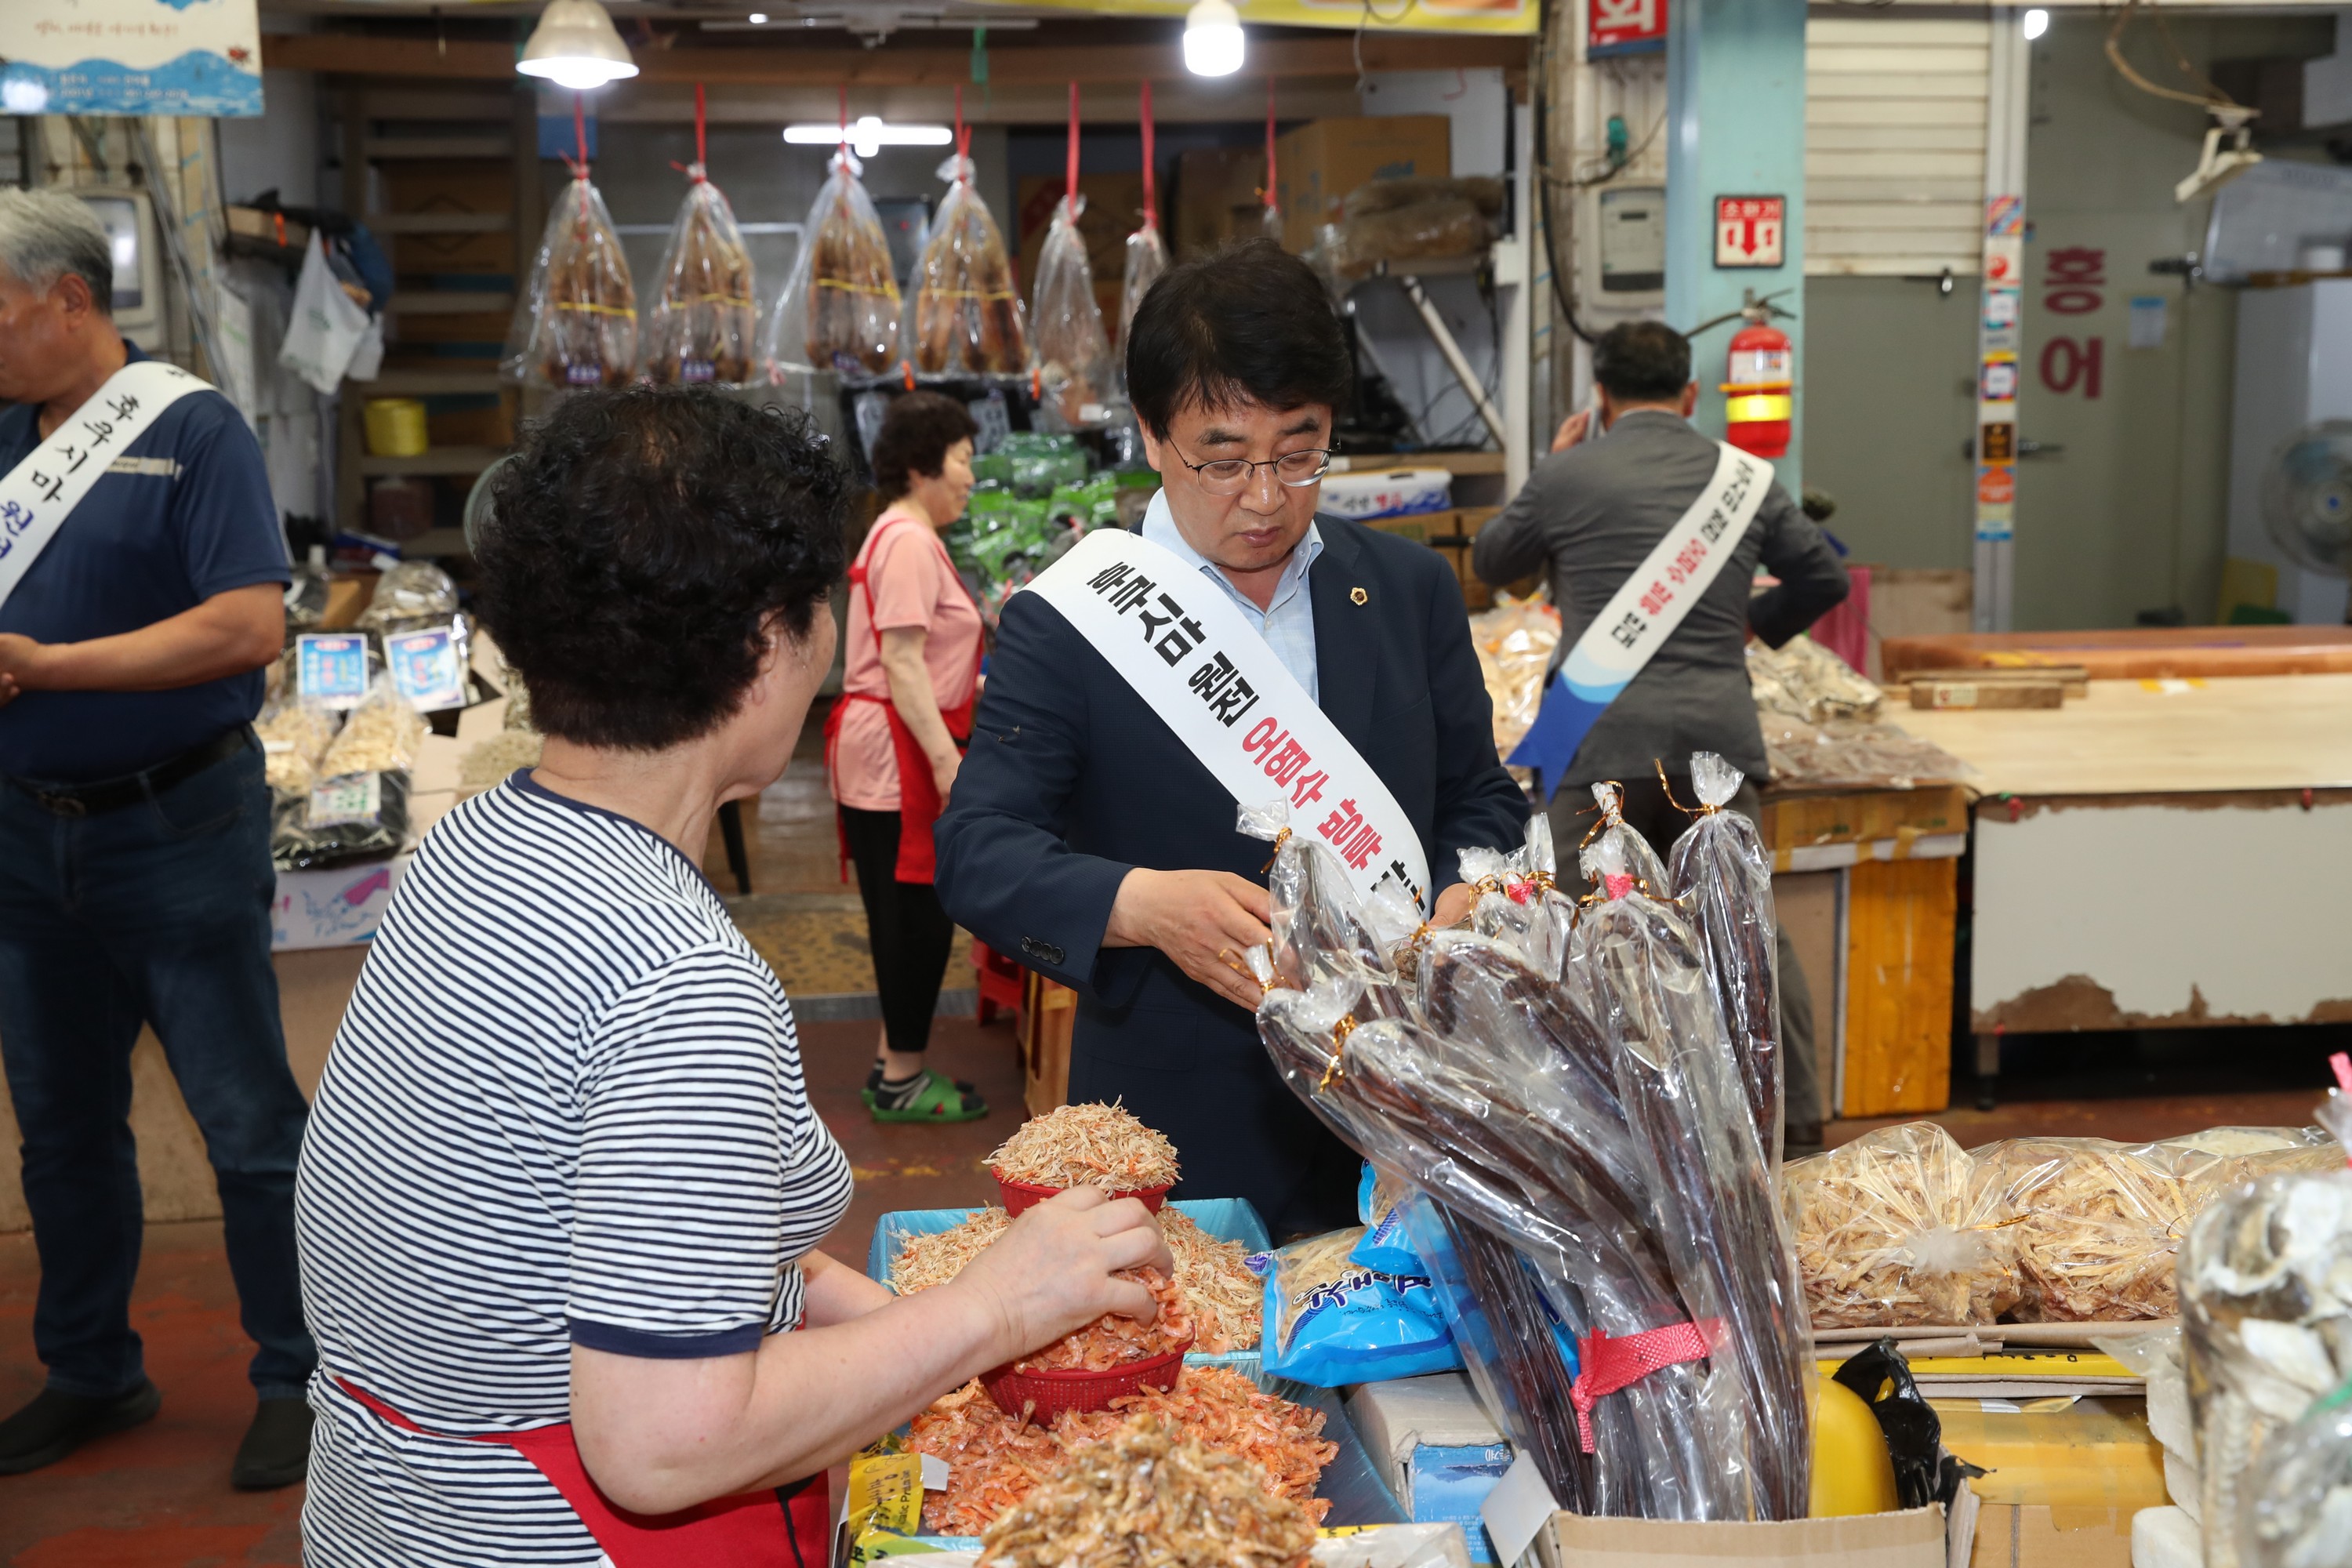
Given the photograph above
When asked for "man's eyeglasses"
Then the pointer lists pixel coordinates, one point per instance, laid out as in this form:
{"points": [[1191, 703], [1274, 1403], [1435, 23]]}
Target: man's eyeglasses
{"points": [[1231, 475]]}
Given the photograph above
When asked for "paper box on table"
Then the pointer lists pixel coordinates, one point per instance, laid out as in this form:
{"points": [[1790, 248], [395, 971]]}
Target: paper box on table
{"points": [[2030, 1535], [1315, 165], [1913, 1538], [334, 907]]}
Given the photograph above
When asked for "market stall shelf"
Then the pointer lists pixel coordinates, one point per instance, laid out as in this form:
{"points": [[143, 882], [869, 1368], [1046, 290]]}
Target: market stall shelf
{"points": [[2137, 654]]}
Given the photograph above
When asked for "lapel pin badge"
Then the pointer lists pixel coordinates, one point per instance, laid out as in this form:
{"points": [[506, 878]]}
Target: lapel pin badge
{"points": [[1359, 595]]}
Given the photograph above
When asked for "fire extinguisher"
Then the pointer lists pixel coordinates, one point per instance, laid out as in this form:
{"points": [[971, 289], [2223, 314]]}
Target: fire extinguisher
{"points": [[1759, 382]]}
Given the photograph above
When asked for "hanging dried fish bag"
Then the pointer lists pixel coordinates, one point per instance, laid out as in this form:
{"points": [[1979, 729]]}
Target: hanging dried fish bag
{"points": [[968, 318], [1721, 874], [840, 309], [1147, 259], [704, 324], [576, 324], [1073, 363]]}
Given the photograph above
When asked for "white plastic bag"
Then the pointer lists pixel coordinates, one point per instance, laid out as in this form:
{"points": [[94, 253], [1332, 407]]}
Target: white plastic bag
{"points": [[326, 327], [967, 318], [703, 323]]}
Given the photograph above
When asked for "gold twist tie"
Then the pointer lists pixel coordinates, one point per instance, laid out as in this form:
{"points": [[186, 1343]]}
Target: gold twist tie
{"points": [[1280, 839], [1489, 883], [1339, 1033], [1701, 809], [1543, 879]]}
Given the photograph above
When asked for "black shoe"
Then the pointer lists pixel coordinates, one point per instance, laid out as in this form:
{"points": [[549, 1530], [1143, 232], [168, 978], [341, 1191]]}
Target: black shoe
{"points": [[276, 1447], [54, 1424]]}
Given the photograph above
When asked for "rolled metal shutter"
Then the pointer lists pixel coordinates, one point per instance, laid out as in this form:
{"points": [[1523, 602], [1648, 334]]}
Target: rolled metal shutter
{"points": [[1894, 144]]}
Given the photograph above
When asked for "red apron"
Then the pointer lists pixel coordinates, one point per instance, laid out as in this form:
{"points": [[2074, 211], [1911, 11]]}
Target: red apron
{"points": [[790, 1527], [919, 794]]}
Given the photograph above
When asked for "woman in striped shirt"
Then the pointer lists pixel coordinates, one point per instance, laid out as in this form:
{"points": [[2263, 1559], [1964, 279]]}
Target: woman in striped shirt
{"points": [[560, 1192]]}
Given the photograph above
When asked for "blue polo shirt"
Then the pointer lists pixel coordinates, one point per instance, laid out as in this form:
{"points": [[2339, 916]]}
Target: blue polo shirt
{"points": [[184, 514]]}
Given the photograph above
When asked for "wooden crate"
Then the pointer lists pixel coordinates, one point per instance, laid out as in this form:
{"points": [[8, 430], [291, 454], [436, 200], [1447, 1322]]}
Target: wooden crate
{"points": [[1901, 919], [1048, 1009]]}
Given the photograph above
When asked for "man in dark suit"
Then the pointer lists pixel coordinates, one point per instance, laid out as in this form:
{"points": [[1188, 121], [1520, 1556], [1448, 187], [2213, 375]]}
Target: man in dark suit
{"points": [[1589, 516], [1085, 837]]}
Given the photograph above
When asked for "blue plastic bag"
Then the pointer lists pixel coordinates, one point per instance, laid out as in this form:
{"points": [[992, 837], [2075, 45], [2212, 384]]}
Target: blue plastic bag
{"points": [[1385, 1250], [1330, 1321]]}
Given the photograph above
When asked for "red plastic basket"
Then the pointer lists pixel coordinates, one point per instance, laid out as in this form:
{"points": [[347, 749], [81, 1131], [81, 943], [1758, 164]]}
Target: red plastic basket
{"points": [[1045, 1395], [1019, 1196]]}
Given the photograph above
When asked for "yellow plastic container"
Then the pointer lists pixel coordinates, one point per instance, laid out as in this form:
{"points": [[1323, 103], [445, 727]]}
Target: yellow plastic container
{"points": [[1853, 1472], [396, 428]]}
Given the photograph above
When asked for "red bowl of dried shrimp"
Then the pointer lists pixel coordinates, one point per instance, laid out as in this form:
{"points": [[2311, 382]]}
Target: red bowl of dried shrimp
{"points": [[1044, 1394], [1019, 1196]]}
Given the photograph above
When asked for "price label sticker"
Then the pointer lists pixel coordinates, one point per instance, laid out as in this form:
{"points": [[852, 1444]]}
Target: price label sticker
{"points": [[426, 669], [330, 668], [354, 797]]}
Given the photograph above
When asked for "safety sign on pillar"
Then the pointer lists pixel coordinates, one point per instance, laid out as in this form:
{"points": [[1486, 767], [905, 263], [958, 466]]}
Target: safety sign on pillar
{"points": [[1998, 338]]}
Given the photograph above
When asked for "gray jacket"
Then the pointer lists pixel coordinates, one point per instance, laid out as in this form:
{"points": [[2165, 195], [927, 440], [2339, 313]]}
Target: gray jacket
{"points": [[1589, 516]]}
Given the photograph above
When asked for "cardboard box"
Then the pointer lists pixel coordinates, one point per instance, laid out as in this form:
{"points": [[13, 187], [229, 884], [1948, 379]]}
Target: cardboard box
{"points": [[2011, 1535], [333, 907], [1913, 1537], [1318, 164], [1216, 197]]}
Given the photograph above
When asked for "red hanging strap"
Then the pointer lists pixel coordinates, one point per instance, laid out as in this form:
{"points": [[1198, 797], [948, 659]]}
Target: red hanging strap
{"points": [[1150, 185], [963, 133], [579, 136], [1604, 1364], [701, 156], [845, 114], [1070, 184]]}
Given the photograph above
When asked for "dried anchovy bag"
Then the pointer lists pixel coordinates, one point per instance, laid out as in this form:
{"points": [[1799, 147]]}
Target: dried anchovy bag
{"points": [[576, 324], [1721, 875], [294, 735], [1893, 1230], [1330, 1321], [840, 308], [703, 329], [1074, 364], [967, 318]]}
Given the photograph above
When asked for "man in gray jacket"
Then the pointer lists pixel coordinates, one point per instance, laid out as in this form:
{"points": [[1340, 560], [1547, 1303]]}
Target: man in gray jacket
{"points": [[1589, 516]]}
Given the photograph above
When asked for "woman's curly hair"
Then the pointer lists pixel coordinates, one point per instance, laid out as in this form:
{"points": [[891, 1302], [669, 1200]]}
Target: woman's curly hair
{"points": [[641, 543], [917, 431]]}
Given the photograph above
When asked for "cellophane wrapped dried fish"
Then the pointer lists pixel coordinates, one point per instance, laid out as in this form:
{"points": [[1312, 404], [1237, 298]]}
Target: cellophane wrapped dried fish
{"points": [[1721, 875], [1073, 365], [1805, 680], [1610, 837], [1519, 901], [840, 309], [967, 318], [1893, 1230], [1147, 259], [2266, 1321], [704, 325], [576, 324], [1507, 1097]]}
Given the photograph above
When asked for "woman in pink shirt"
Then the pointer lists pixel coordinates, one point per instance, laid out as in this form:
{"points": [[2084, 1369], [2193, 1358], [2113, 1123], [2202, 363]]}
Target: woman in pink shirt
{"points": [[895, 738]]}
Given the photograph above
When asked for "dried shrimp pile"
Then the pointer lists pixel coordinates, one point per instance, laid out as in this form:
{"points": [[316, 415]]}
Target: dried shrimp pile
{"points": [[1147, 1495], [1223, 1298], [1078, 1145], [994, 1460], [1112, 1341]]}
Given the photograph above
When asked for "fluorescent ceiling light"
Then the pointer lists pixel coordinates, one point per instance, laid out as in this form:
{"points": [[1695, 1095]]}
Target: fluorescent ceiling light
{"points": [[2037, 21], [575, 45], [1212, 38], [868, 135], [758, 18]]}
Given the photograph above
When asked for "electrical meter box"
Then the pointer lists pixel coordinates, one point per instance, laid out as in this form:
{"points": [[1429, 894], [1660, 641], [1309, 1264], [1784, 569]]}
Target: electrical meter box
{"points": [[1633, 239]]}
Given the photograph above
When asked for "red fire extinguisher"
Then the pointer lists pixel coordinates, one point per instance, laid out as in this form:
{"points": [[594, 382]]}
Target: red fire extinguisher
{"points": [[1759, 380]]}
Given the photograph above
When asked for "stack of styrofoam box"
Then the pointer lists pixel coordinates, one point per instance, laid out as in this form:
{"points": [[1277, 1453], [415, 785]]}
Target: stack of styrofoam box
{"points": [[2168, 1537]]}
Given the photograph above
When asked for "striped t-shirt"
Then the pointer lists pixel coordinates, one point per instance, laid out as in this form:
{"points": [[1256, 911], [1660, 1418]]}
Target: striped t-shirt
{"points": [[565, 1107]]}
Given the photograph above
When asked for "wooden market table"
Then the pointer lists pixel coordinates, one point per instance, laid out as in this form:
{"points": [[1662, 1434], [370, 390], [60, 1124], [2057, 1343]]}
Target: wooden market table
{"points": [[2159, 853]]}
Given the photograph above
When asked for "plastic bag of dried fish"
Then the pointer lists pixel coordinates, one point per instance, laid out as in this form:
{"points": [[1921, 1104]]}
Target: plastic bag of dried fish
{"points": [[2266, 1318], [1147, 259], [704, 325], [840, 308], [410, 594], [342, 818], [1330, 1321], [381, 733], [1514, 642], [576, 324], [294, 735], [1637, 865], [1805, 680], [968, 318], [1074, 364], [1722, 876], [1894, 1231]]}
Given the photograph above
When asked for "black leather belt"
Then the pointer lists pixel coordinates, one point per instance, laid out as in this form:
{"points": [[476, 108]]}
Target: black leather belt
{"points": [[114, 794]]}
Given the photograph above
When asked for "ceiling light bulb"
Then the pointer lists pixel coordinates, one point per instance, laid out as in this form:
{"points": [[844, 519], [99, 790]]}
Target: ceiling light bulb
{"points": [[2037, 21], [1212, 38], [758, 18], [575, 45]]}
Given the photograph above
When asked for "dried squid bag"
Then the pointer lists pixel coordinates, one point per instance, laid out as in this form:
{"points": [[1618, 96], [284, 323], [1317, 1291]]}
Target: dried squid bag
{"points": [[1073, 349], [1893, 1230], [840, 308], [577, 322], [1721, 874], [967, 319], [703, 329], [1330, 1321]]}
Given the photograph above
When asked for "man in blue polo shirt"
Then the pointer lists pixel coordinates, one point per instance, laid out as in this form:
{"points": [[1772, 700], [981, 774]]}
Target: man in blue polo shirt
{"points": [[135, 881]]}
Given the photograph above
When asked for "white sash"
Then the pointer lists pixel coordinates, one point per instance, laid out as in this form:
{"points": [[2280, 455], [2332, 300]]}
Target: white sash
{"points": [[1645, 611], [1209, 675], [39, 494]]}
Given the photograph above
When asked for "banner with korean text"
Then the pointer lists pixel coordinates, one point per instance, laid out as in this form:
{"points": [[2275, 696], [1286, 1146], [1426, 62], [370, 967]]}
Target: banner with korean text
{"points": [[1215, 683]]}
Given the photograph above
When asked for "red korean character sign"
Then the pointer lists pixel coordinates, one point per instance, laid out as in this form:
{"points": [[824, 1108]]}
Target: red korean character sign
{"points": [[1625, 26], [1748, 230]]}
